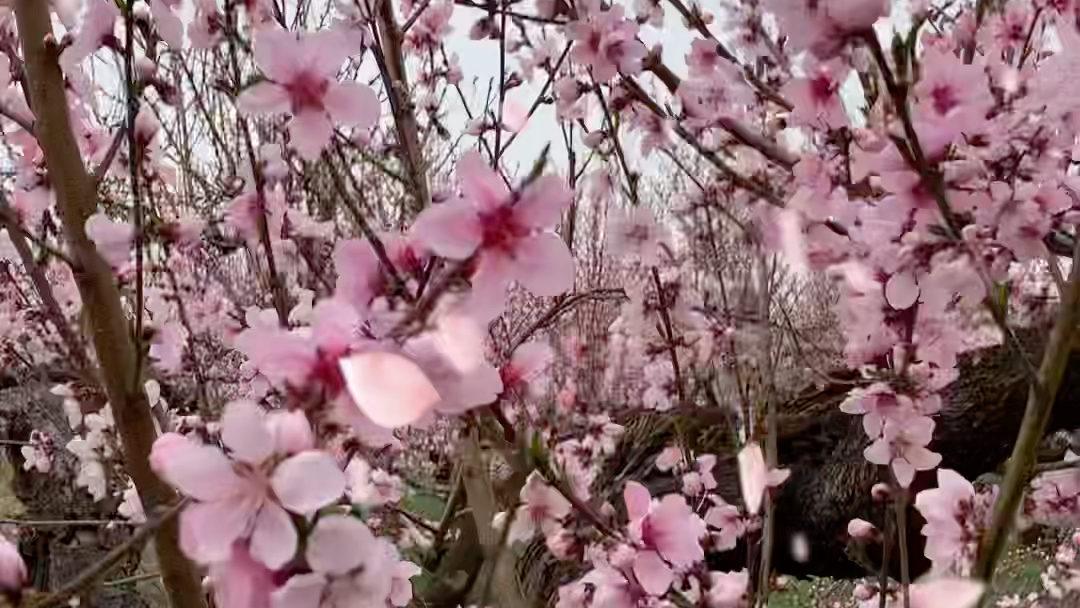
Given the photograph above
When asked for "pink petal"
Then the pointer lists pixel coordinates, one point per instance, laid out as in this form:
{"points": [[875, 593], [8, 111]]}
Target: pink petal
{"points": [[752, 476], [480, 185], [322, 53], [946, 593], [273, 541], [922, 458], [652, 573], [637, 499], [905, 473], [300, 591], [544, 265], [200, 471], [879, 452], [532, 359], [339, 544], [390, 389], [901, 291], [352, 104], [264, 98], [244, 431], [543, 202], [209, 529], [450, 230], [277, 54], [309, 132], [358, 270], [308, 481], [291, 431], [492, 277]]}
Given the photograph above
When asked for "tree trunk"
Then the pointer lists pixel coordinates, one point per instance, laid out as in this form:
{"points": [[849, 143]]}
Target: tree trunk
{"points": [[76, 200]]}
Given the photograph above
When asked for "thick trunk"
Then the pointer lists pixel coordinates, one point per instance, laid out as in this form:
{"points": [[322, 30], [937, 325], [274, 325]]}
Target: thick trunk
{"points": [[76, 199]]}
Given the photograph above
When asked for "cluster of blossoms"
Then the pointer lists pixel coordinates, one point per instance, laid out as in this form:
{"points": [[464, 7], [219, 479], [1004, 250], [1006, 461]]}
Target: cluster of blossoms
{"points": [[917, 205]]}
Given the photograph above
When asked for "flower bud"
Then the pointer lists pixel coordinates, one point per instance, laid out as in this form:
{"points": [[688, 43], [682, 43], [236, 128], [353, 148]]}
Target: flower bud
{"points": [[880, 491], [860, 528]]}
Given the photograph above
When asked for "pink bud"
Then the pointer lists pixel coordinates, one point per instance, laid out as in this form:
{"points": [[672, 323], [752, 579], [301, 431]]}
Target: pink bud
{"points": [[622, 556], [291, 431], [863, 593], [607, 510], [880, 491], [860, 528], [12, 567]]}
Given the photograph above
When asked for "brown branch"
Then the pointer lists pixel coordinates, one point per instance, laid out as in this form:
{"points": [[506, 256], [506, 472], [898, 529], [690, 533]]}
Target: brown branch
{"points": [[1040, 403], [396, 80], [76, 200]]}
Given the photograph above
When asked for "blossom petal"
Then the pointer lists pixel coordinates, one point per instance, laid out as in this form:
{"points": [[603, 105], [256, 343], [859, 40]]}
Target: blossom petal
{"points": [[309, 132], [480, 185], [244, 431], [264, 98], [637, 499], [300, 591], [652, 573], [946, 593], [308, 481], [339, 544], [450, 230], [542, 203], [390, 389], [199, 471], [209, 529], [352, 104], [544, 265], [273, 541], [276, 53]]}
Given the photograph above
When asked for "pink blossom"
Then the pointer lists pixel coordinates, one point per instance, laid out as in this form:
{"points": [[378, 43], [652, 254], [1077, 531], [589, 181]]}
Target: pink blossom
{"points": [[570, 104], [902, 446], [169, 26], [654, 131], [347, 562], [953, 99], [755, 476], [816, 98], [951, 592], [506, 232], [607, 42], [542, 507], [246, 496], [206, 30], [669, 532], [727, 519], [389, 388], [113, 239], [878, 403], [95, 29], [824, 27], [696, 483], [302, 81], [369, 487], [527, 368], [635, 235], [860, 528], [728, 589], [431, 27], [12, 567], [291, 431], [671, 456], [703, 58], [240, 581]]}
